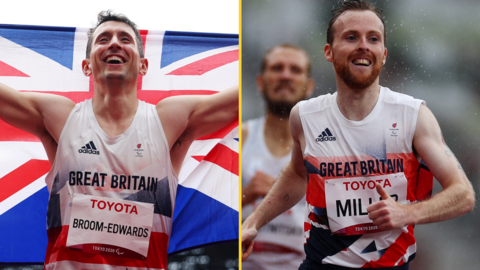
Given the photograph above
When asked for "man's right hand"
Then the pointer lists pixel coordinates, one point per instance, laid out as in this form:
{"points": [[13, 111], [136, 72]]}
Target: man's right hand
{"points": [[247, 241], [258, 187]]}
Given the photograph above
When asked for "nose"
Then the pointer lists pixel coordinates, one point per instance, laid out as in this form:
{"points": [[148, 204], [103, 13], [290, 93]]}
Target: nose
{"points": [[114, 43], [363, 45], [286, 74]]}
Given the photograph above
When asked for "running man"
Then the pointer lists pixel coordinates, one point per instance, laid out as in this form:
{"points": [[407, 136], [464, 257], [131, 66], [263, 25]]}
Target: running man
{"points": [[357, 154], [267, 146]]}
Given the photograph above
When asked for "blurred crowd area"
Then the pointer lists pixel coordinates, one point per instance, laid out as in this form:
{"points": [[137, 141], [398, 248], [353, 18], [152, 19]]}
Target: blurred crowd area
{"points": [[433, 54], [215, 257]]}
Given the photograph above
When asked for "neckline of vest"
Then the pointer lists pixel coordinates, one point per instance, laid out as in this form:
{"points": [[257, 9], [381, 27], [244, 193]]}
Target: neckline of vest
{"points": [[112, 140], [370, 117]]}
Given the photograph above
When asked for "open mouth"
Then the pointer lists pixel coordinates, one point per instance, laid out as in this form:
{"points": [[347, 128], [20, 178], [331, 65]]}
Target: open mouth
{"points": [[114, 60], [362, 62]]}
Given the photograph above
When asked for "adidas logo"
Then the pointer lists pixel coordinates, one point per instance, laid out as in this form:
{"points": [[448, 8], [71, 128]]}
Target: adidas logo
{"points": [[89, 148], [326, 136]]}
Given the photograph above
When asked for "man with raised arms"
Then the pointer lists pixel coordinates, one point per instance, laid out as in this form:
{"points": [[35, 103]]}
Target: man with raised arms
{"points": [[115, 159], [267, 146], [357, 155]]}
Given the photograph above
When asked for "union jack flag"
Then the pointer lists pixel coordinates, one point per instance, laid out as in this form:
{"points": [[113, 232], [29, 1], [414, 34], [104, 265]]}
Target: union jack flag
{"points": [[48, 59]]}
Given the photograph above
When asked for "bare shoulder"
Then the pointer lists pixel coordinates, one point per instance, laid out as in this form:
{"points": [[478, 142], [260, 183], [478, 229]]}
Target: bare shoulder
{"points": [[427, 129], [50, 103], [174, 113], [296, 128], [54, 111]]}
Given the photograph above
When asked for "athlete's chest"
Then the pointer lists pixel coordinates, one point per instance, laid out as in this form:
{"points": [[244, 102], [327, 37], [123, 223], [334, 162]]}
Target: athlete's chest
{"points": [[326, 135]]}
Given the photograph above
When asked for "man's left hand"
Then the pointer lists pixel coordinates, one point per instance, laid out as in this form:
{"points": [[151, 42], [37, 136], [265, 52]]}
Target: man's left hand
{"points": [[387, 214]]}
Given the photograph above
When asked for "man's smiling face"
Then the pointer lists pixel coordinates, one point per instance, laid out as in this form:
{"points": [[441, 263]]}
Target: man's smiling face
{"points": [[114, 53], [358, 49]]}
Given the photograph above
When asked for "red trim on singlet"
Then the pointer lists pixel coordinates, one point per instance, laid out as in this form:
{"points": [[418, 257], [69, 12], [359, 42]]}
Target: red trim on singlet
{"points": [[267, 247], [57, 251], [395, 251], [307, 227]]}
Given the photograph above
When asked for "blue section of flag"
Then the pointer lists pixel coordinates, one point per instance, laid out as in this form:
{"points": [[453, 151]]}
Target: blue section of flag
{"points": [[55, 43], [23, 237], [178, 45], [199, 219]]}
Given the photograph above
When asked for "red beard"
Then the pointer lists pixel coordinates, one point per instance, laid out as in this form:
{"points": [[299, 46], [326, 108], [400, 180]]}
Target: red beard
{"points": [[357, 82]]}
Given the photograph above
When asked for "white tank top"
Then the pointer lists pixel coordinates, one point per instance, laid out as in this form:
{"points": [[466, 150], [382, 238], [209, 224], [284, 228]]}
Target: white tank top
{"points": [[287, 229], [344, 160], [133, 166]]}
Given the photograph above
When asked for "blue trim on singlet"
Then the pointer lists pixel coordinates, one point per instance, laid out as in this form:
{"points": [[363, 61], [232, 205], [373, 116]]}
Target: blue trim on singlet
{"points": [[54, 216], [160, 198], [310, 168], [323, 243]]}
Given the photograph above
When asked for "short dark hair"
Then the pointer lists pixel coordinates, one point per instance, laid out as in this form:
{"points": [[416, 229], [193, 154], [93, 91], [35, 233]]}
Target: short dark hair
{"points": [[353, 5], [105, 16], [285, 46]]}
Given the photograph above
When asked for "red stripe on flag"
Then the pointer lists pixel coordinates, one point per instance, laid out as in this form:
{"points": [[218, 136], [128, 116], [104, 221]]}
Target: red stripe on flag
{"points": [[198, 158], [205, 65], [7, 70], [22, 177], [224, 157], [221, 133], [143, 35], [10, 133]]}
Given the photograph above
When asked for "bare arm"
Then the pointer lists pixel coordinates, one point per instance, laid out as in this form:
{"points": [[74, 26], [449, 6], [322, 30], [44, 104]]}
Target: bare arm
{"points": [[288, 190], [456, 198], [42, 115], [186, 118], [258, 187]]}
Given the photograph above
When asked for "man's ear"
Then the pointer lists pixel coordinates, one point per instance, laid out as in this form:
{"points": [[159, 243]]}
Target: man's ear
{"points": [[143, 66], [260, 83], [327, 51], [385, 56], [86, 68]]}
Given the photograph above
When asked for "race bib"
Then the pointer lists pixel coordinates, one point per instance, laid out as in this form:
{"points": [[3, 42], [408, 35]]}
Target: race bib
{"points": [[110, 226], [347, 200]]}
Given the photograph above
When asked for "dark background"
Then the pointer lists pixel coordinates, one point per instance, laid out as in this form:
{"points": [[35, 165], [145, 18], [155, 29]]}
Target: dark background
{"points": [[433, 54]]}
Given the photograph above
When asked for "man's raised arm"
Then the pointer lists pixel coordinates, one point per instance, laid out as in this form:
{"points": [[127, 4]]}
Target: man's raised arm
{"points": [[42, 115], [456, 198], [186, 118], [288, 190]]}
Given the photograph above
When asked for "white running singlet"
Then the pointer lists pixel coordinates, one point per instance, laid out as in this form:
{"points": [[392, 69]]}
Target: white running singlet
{"points": [[344, 160], [132, 167], [285, 232]]}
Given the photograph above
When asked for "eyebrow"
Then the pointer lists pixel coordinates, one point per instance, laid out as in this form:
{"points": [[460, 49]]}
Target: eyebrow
{"points": [[357, 32], [108, 33]]}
